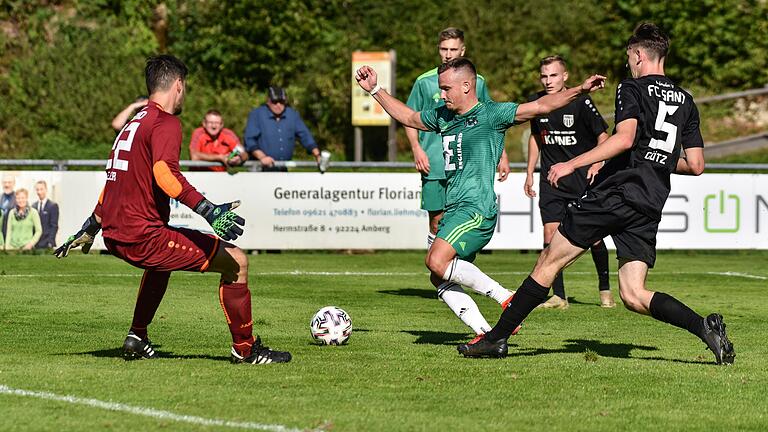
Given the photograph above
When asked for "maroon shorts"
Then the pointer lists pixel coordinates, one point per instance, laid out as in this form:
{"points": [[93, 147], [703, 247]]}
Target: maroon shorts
{"points": [[168, 249]]}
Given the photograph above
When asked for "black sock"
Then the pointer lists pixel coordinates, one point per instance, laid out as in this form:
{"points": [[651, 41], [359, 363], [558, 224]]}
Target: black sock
{"points": [[600, 258], [558, 287], [668, 309], [151, 292], [528, 296]]}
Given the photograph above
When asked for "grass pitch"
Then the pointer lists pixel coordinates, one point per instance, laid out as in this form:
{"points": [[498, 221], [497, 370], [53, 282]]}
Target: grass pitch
{"points": [[62, 324]]}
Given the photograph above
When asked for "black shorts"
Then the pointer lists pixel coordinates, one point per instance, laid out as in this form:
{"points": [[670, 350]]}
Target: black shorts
{"points": [[552, 206], [595, 216]]}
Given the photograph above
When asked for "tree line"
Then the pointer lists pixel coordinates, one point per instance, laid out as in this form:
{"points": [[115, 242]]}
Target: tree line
{"points": [[67, 67]]}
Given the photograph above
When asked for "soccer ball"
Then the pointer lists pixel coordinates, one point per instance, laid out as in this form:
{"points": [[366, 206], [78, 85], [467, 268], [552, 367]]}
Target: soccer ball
{"points": [[331, 326]]}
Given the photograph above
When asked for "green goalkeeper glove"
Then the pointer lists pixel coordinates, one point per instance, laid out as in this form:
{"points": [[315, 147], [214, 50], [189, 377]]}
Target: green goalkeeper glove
{"points": [[83, 238], [225, 223]]}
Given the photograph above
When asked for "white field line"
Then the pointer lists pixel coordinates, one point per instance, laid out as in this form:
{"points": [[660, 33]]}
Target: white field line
{"points": [[362, 273], [147, 412]]}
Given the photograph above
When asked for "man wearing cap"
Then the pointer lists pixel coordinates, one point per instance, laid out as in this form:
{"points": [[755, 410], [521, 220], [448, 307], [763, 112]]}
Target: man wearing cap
{"points": [[272, 130]]}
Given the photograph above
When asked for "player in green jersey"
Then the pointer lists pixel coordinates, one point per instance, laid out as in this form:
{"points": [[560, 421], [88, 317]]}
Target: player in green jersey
{"points": [[473, 137], [427, 146]]}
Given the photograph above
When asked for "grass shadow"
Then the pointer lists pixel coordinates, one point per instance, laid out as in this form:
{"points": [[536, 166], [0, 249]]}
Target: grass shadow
{"points": [[412, 292], [437, 338], [609, 350], [572, 300], [118, 353], [572, 346]]}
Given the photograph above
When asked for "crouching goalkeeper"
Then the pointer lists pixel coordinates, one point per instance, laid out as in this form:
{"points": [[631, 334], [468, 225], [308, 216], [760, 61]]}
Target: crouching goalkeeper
{"points": [[133, 213]]}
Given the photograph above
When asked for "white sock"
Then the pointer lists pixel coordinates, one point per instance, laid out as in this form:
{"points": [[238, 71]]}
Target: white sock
{"points": [[463, 306], [430, 239], [467, 274]]}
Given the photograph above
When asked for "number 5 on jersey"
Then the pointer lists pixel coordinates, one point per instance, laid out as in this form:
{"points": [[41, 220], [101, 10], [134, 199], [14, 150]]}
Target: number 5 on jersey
{"points": [[668, 145]]}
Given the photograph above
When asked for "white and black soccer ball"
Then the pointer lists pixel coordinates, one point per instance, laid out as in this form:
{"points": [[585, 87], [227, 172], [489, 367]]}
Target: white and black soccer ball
{"points": [[331, 326]]}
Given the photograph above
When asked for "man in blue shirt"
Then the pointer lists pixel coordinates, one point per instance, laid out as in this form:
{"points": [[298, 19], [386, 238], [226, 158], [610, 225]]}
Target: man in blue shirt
{"points": [[272, 130]]}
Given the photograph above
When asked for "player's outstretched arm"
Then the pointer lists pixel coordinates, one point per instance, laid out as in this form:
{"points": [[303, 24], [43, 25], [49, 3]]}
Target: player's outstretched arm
{"points": [[83, 238], [225, 223], [618, 143], [551, 102], [692, 163], [367, 79]]}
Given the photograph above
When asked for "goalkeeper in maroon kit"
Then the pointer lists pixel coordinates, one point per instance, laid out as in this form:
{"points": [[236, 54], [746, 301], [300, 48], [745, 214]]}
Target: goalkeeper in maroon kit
{"points": [[133, 212]]}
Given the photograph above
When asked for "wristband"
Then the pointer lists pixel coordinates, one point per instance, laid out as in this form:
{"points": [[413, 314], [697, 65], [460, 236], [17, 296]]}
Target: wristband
{"points": [[91, 226], [375, 90], [204, 208]]}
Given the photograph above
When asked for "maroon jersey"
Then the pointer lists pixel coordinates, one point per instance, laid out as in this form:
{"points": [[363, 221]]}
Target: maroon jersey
{"points": [[142, 175]]}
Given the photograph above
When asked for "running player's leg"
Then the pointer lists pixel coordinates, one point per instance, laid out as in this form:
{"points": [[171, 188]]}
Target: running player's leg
{"points": [[534, 288], [552, 209], [665, 308], [171, 249], [234, 295], [164, 251], [532, 291], [151, 292], [558, 299], [235, 299], [600, 259], [636, 250], [439, 257], [592, 219], [632, 274], [463, 235]]}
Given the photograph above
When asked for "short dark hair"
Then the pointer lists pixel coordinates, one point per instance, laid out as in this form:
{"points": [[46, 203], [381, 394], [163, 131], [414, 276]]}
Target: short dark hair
{"points": [[212, 112], [651, 38], [450, 33], [457, 64], [162, 70], [552, 59]]}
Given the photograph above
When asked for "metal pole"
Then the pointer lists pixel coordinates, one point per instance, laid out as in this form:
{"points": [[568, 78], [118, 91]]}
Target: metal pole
{"points": [[392, 128], [358, 144]]}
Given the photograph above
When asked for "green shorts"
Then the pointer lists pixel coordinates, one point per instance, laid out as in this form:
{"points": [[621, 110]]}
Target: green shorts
{"points": [[433, 194], [467, 231]]}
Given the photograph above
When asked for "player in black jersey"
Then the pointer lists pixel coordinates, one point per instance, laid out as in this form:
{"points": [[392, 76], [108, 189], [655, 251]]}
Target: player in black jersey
{"points": [[655, 121], [558, 137]]}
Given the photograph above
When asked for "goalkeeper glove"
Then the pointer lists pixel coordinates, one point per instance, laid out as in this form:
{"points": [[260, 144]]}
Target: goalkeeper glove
{"points": [[83, 238], [225, 223]]}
